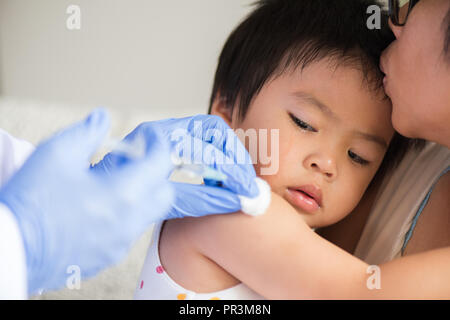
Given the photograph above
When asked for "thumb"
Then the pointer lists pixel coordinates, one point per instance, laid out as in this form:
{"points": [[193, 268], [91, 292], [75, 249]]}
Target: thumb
{"points": [[83, 138]]}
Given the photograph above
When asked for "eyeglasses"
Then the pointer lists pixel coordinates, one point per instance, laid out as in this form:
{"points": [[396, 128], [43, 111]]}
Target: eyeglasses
{"points": [[399, 10]]}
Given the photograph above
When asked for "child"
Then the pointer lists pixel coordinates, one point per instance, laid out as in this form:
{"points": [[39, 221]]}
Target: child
{"points": [[308, 68]]}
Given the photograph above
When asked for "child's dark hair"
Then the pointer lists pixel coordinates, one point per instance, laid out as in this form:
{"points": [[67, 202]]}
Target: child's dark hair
{"points": [[281, 35]]}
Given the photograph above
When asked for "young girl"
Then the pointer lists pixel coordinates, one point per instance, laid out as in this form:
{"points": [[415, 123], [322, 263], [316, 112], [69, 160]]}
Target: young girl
{"points": [[313, 75]]}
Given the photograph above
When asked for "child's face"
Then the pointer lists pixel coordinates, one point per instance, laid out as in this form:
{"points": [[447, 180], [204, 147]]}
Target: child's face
{"points": [[345, 134]]}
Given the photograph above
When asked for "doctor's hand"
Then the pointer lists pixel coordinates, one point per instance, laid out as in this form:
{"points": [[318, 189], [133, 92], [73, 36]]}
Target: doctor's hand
{"points": [[209, 140], [71, 215]]}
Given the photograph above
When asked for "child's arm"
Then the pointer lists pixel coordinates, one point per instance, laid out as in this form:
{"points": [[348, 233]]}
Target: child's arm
{"points": [[280, 257]]}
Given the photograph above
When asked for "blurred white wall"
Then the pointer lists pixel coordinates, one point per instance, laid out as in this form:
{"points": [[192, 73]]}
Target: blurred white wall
{"points": [[157, 55]]}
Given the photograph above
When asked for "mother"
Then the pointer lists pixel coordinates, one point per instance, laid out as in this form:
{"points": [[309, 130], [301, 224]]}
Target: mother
{"points": [[402, 224], [417, 68], [410, 213]]}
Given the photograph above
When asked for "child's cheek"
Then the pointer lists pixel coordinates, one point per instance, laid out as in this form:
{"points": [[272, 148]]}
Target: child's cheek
{"points": [[287, 163], [344, 198], [276, 185]]}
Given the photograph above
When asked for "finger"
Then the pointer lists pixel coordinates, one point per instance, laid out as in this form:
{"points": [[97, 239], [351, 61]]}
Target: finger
{"points": [[239, 171], [155, 206], [200, 200], [239, 180], [138, 178], [208, 128], [210, 141], [240, 176], [222, 149], [137, 215], [81, 140], [142, 142]]}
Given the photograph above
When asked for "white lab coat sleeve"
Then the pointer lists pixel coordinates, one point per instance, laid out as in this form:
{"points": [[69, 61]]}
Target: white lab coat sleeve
{"points": [[13, 153], [13, 276], [13, 273]]}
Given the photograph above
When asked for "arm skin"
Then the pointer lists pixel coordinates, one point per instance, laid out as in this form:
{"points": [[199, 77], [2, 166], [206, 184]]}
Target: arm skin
{"points": [[432, 230], [280, 257]]}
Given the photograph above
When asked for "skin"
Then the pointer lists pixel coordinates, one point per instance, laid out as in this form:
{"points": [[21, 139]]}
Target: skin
{"points": [[315, 155], [420, 44], [320, 158], [317, 268]]}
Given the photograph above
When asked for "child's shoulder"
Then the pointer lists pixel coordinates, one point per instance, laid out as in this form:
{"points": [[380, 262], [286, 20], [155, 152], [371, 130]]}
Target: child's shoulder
{"points": [[184, 263], [189, 246]]}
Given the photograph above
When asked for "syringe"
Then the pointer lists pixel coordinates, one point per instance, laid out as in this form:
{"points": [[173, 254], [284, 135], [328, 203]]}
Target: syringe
{"points": [[136, 149], [197, 170], [251, 206]]}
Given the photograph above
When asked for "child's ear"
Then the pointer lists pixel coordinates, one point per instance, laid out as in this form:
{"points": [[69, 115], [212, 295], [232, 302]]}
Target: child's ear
{"points": [[220, 108]]}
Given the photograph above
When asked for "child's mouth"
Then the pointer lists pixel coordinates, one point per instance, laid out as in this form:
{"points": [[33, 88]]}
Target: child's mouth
{"points": [[307, 198]]}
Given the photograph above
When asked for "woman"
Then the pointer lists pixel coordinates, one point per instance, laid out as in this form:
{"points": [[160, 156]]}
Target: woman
{"points": [[417, 67], [417, 62]]}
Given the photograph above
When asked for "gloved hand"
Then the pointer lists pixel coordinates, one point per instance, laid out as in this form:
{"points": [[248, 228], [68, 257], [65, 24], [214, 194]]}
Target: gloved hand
{"points": [[202, 139], [70, 215]]}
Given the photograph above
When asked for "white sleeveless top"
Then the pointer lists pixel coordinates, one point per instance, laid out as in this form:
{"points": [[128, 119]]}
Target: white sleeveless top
{"points": [[398, 204], [155, 284]]}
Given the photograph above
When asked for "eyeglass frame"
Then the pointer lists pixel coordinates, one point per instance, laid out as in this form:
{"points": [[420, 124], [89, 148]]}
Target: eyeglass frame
{"points": [[394, 15]]}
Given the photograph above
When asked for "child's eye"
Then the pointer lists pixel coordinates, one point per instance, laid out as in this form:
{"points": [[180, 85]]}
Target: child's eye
{"points": [[357, 158], [302, 124]]}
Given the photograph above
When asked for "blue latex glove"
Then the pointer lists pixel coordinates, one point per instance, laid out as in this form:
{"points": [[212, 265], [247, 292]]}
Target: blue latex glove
{"points": [[70, 215], [215, 145]]}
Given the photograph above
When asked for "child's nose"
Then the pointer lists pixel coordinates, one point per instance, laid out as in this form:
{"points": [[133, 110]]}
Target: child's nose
{"points": [[322, 164]]}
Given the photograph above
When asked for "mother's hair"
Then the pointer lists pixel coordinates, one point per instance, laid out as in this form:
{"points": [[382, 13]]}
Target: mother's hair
{"points": [[446, 29]]}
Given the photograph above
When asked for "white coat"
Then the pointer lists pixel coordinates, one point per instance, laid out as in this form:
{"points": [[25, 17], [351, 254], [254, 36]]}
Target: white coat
{"points": [[13, 276]]}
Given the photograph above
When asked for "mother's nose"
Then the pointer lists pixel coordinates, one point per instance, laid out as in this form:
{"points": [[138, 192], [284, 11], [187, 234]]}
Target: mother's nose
{"points": [[396, 30]]}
